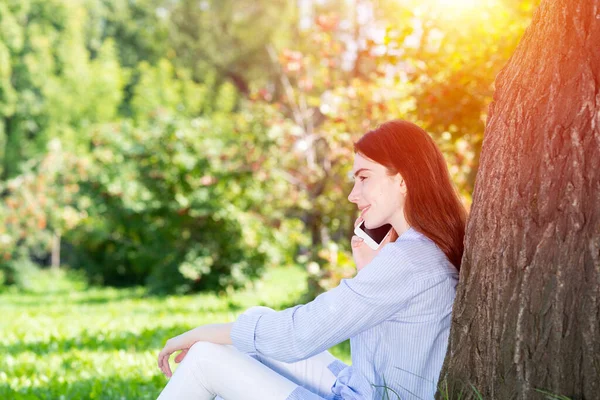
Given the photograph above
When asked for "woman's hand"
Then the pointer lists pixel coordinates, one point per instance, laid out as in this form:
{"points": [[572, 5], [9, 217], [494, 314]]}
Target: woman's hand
{"points": [[214, 333], [181, 342], [362, 253]]}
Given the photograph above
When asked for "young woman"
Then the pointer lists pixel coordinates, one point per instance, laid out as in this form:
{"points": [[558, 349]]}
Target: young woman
{"points": [[395, 311]]}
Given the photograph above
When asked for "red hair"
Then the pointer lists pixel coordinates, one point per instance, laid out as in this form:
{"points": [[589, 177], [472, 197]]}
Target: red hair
{"points": [[432, 205]]}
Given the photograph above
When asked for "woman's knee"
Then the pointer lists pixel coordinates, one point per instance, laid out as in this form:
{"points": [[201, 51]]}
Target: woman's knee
{"points": [[205, 350], [208, 363]]}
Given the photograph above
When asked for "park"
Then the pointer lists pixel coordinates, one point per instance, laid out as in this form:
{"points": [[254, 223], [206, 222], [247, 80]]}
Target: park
{"points": [[168, 164]]}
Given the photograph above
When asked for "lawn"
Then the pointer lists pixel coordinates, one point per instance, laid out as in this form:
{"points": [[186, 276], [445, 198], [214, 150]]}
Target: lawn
{"points": [[63, 340]]}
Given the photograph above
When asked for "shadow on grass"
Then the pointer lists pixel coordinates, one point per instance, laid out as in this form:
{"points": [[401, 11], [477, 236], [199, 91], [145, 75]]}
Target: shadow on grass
{"points": [[145, 340], [106, 299], [62, 297], [104, 387]]}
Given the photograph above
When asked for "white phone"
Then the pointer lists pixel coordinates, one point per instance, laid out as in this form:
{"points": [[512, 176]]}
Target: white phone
{"points": [[373, 237]]}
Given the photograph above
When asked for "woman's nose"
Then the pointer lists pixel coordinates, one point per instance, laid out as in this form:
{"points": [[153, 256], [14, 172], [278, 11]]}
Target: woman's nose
{"points": [[352, 196]]}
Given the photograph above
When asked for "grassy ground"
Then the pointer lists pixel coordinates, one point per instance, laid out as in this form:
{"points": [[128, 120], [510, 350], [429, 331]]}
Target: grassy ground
{"points": [[62, 340]]}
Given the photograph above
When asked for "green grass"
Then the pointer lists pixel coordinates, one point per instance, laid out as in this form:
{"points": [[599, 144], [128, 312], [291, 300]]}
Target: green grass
{"points": [[61, 340]]}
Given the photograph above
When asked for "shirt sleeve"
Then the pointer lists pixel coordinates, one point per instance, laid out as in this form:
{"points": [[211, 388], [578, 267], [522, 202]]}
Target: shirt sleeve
{"points": [[378, 291]]}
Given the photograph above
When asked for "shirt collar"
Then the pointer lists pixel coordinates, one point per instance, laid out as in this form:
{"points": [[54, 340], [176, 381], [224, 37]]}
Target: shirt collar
{"points": [[409, 234]]}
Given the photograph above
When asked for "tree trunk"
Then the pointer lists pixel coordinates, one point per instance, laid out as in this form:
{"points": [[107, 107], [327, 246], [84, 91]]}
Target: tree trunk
{"points": [[55, 262], [7, 160], [527, 312]]}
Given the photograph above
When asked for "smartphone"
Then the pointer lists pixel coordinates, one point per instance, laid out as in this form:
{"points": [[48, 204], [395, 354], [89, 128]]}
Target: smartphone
{"points": [[373, 237]]}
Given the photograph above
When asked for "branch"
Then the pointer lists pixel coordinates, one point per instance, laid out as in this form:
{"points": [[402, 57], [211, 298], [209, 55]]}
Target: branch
{"points": [[289, 91]]}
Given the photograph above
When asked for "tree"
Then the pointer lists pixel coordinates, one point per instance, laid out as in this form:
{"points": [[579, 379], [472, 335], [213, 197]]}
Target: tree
{"points": [[227, 36], [527, 313], [49, 87], [138, 28], [37, 207]]}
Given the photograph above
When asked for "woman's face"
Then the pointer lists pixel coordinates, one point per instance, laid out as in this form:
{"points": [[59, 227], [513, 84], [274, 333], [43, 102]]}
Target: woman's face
{"points": [[378, 196]]}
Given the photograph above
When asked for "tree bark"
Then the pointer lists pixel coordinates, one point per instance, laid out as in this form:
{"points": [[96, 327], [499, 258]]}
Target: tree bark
{"points": [[527, 312]]}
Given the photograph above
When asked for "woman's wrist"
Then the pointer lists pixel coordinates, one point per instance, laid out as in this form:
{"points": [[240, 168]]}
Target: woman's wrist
{"points": [[214, 333]]}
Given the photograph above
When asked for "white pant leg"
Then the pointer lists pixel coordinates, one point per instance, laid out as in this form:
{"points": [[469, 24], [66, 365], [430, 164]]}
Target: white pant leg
{"points": [[311, 373], [210, 370]]}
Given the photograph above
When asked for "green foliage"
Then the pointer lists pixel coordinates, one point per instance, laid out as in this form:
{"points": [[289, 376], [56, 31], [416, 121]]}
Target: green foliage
{"points": [[17, 271], [229, 37], [159, 89], [203, 141], [49, 86], [138, 28], [171, 205]]}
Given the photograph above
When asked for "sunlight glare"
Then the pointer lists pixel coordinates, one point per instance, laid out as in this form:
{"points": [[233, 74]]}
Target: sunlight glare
{"points": [[454, 10], [458, 4]]}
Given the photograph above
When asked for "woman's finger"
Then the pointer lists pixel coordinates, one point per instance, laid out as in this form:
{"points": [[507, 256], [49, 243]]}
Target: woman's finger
{"points": [[166, 369], [356, 241], [160, 357], [180, 356], [163, 362]]}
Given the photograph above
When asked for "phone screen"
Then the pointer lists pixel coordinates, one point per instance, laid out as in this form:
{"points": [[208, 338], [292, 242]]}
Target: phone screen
{"points": [[377, 234]]}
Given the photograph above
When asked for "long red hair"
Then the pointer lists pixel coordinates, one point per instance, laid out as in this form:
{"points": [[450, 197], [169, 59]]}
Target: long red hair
{"points": [[432, 205]]}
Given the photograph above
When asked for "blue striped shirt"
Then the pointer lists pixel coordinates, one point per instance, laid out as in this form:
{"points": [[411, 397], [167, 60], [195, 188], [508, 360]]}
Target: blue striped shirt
{"points": [[396, 312]]}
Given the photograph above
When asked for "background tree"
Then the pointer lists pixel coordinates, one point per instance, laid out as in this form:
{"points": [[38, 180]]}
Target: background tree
{"points": [[228, 37], [527, 312], [49, 86], [38, 205], [285, 87]]}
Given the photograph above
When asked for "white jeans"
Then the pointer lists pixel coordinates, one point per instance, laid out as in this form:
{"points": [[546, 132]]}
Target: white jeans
{"points": [[211, 371]]}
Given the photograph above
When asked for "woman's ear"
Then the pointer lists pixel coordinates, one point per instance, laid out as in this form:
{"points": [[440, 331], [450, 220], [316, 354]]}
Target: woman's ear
{"points": [[402, 184]]}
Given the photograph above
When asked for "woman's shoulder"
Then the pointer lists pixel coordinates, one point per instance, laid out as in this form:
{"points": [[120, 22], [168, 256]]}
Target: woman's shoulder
{"points": [[416, 252]]}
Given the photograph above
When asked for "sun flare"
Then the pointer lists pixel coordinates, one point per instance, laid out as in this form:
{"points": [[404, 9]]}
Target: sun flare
{"points": [[457, 10], [458, 4]]}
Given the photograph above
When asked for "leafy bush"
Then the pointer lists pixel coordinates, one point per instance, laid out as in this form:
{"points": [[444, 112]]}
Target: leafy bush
{"points": [[170, 205], [17, 272]]}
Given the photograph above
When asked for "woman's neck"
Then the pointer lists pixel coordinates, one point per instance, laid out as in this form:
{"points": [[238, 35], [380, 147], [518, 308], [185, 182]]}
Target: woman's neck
{"points": [[400, 224]]}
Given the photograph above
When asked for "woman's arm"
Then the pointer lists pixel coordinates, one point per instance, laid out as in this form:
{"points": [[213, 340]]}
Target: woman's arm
{"points": [[377, 292], [215, 333]]}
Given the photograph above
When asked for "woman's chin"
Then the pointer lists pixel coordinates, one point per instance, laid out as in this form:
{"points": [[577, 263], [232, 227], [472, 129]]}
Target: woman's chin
{"points": [[371, 225]]}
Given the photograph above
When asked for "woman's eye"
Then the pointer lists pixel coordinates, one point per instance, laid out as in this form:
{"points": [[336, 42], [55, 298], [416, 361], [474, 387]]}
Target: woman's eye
{"points": [[362, 178]]}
